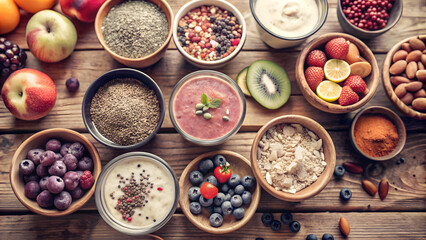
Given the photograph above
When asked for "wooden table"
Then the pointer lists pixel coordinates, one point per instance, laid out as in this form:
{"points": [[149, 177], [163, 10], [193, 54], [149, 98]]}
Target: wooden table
{"points": [[401, 216]]}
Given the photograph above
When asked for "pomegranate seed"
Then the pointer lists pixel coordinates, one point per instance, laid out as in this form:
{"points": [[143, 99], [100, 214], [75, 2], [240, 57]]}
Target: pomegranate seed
{"points": [[161, 189], [129, 219]]}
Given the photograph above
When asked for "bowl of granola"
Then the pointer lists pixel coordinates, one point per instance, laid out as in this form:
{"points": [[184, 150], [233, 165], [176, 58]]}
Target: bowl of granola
{"points": [[293, 158]]}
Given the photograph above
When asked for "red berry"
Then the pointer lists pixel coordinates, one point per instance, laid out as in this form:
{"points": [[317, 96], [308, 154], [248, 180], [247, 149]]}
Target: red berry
{"points": [[129, 219], [235, 42], [337, 48], [347, 96], [86, 180], [316, 58], [314, 76]]}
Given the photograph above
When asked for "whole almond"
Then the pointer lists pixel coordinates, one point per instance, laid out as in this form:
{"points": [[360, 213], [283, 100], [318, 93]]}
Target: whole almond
{"points": [[353, 167], [420, 94], [417, 44], [400, 90], [406, 47], [420, 66], [411, 70], [383, 188], [399, 55], [396, 80], [407, 98], [423, 59], [398, 67], [369, 187], [421, 75], [415, 55], [414, 86], [419, 104], [344, 226]]}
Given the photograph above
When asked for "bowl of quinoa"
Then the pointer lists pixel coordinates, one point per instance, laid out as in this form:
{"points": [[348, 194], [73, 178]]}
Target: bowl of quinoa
{"points": [[209, 33]]}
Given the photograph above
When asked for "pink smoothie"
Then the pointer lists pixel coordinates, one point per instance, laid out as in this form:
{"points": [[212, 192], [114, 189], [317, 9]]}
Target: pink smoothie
{"points": [[195, 125]]}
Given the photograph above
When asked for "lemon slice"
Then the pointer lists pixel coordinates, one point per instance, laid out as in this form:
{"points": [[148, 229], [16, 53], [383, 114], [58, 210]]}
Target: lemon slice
{"points": [[329, 91], [336, 70]]}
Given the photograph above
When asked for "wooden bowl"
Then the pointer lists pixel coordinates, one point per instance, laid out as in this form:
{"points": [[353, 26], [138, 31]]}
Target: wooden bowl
{"points": [[38, 140], [371, 80], [400, 127], [329, 155], [134, 62], [239, 165], [388, 85]]}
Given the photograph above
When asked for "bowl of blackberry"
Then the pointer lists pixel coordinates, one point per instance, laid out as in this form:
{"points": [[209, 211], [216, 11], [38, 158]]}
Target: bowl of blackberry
{"points": [[218, 192]]}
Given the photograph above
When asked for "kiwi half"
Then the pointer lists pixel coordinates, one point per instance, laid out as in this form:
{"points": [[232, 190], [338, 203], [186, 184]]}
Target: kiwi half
{"points": [[268, 84], [242, 83]]}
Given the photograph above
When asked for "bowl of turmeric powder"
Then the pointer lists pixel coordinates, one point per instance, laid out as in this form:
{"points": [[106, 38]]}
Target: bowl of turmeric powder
{"points": [[377, 133]]}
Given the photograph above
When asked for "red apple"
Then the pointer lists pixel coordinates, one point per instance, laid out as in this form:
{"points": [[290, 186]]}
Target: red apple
{"points": [[83, 10], [29, 94]]}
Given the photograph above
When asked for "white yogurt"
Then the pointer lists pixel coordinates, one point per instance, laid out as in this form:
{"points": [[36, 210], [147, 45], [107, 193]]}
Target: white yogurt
{"points": [[288, 18]]}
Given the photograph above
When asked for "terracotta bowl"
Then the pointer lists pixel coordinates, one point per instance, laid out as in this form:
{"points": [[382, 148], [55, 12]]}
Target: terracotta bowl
{"points": [[38, 140], [371, 80], [388, 85], [134, 62], [329, 155], [239, 165], [400, 127]]}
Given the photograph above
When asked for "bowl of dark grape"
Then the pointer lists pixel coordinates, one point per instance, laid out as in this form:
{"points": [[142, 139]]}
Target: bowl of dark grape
{"points": [[218, 192], [54, 172]]}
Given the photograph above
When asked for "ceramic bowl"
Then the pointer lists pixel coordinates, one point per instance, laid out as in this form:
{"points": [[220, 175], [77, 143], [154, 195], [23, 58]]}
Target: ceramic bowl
{"points": [[239, 165], [402, 107], [134, 62], [329, 157], [39, 140], [394, 16], [105, 78], [392, 116], [371, 80], [219, 3]]}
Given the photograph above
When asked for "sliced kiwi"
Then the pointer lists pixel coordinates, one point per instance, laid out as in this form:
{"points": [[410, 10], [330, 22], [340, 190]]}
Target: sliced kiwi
{"points": [[268, 84], [242, 81]]}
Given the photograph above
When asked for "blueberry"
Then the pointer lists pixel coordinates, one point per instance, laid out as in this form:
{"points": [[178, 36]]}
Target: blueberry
{"points": [[212, 19], [45, 199], [196, 177], [32, 189], [246, 196], [295, 226], [77, 193], [311, 237], [213, 180], [345, 194], [195, 208], [228, 197], [339, 171], [276, 225], [216, 220], [286, 218], [248, 182], [55, 184], [53, 145], [34, 155], [234, 180], [224, 188], [71, 180], [238, 213], [231, 192], [327, 236], [86, 163], [227, 208], [26, 167], [58, 168], [72, 84], [217, 209], [219, 199], [236, 201], [32, 177], [41, 170], [205, 202], [65, 148], [70, 162], [239, 189], [77, 149], [63, 200], [59, 156], [206, 165], [219, 160], [267, 219], [43, 183], [194, 193], [47, 158]]}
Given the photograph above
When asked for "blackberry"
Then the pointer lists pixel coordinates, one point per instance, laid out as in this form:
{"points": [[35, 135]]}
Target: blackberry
{"points": [[12, 57]]}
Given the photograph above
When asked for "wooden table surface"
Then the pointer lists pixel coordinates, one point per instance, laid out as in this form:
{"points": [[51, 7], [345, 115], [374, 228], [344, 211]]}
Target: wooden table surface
{"points": [[401, 216]]}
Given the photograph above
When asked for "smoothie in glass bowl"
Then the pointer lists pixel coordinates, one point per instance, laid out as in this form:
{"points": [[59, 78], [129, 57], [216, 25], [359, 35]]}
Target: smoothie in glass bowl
{"points": [[207, 107]]}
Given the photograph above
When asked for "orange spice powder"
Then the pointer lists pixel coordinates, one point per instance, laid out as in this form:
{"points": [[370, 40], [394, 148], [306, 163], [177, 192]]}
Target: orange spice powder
{"points": [[375, 135]]}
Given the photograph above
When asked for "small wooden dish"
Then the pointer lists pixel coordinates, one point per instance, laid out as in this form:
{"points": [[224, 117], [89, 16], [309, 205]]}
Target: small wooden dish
{"points": [[388, 85], [329, 154], [371, 80], [38, 140], [134, 62], [239, 165]]}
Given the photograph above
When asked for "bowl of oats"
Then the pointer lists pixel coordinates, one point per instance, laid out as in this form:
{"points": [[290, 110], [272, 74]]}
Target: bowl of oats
{"points": [[293, 157]]}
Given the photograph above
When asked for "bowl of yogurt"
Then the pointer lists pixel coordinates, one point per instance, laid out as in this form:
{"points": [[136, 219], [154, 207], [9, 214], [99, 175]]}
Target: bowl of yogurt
{"points": [[287, 23], [137, 193]]}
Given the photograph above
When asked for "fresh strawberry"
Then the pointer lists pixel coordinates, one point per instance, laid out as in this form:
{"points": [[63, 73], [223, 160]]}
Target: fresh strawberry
{"points": [[314, 76], [356, 83], [348, 96], [86, 180], [337, 48], [316, 58]]}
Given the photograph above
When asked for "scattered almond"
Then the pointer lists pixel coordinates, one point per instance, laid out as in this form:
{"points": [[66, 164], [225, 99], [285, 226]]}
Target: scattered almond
{"points": [[353, 167], [396, 80], [369, 187], [353, 54], [419, 104], [420, 94], [344, 226], [417, 44], [398, 67], [413, 56], [414, 86], [407, 98], [383, 188], [406, 47], [399, 55], [362, 69], [421, 75], [400, 90], [411, 70]]}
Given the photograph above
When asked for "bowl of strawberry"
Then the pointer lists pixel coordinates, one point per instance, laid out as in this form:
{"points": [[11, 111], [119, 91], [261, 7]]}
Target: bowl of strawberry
{"points": [[218, 192], [337, 73]]}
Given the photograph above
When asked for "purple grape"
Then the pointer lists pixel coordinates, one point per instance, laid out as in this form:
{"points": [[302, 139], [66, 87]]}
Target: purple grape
{"points": [[71, 180], [72, 84], [43, 183], [63, 200], [32, 189], [58, 168], [77, 193], [53, 145], [70, 161], [65, 148], [58, 157], [45, 199], [30, 178], [77, 149], [55, 184], [85, 163], [47, 158], [34, 155], [41, 170], [26, 167]]}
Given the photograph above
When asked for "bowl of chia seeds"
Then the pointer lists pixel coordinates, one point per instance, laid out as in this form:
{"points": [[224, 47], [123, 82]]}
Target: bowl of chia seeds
{"points": [[124, 109], [135, 32]]}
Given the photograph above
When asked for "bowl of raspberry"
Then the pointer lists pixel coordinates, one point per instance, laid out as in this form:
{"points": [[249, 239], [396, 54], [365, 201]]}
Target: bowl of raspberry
{"points": [[53, 172]]}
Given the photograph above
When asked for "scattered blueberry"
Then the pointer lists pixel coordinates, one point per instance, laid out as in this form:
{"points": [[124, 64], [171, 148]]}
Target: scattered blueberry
{"points": [[206, 165], [219, 160], [239, 189], [195, 208], [275, 225], [327, 236], [205, 202], [194, 193], [72, 84], [236, 201], [213, 180], [216, 220], [196, 177], [248, 182], [295, 226], [224, 188], [339, 171], [246, 196], [26, 167], [267, 218], [217, 209], [227, 208], [219, 199], [238, 213], [311, 237], [345, 194], [234, 180], [286, 218]]}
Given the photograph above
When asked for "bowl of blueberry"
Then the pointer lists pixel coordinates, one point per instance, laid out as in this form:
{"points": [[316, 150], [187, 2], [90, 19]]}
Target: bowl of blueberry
{"points": [[54, 172], [218, 192]]}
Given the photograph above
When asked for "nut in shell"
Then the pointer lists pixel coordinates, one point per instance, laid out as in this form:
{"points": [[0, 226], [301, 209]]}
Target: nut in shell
{"points": [[344, 226], [383, 188], [369, 187]]}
